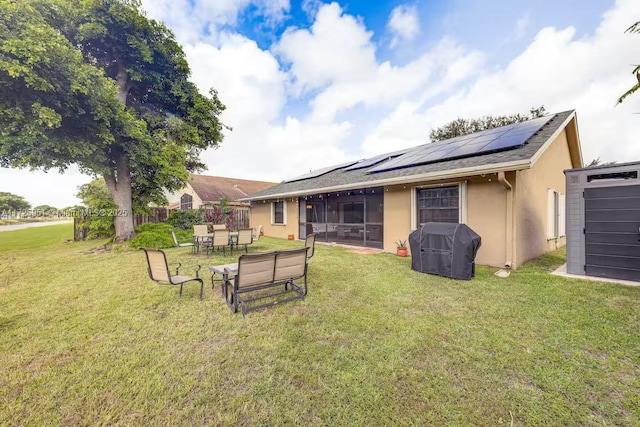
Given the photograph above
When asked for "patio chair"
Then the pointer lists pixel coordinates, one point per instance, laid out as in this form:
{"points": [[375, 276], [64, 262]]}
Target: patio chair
{"points": [[158, 270], [310, 244], [191, 245], [245, 238], [220, 239], [256, 233], [200, 229]]}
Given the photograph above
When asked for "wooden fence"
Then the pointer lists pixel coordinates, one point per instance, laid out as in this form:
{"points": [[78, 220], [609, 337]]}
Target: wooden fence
{"points": [[156, 215]]}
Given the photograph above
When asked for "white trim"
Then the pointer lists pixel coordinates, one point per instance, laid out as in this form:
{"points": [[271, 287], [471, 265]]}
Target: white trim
{"points": [[562, 215], [284, 212], [462, 193], [551, 214], [414, 208], [430, 176], [462, 201], [552, 138]]}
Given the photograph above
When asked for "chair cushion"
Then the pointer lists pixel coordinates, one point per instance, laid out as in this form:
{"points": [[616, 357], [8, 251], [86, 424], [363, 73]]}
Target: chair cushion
{"points": [[177, 279]]}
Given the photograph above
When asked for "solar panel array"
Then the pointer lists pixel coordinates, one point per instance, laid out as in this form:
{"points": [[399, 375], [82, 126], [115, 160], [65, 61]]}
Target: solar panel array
{"points": [[377, 159], [318, 172], [484, 142]]}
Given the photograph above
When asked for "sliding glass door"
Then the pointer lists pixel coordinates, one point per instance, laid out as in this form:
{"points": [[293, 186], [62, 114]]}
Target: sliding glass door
{"points": [[352, 217]]}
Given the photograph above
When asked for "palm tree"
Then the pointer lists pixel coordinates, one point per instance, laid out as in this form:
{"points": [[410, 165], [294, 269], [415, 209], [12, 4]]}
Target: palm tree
{"points": [[635, 28]]}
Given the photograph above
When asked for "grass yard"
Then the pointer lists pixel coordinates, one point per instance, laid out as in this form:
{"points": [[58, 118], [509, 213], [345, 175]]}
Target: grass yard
{"points": [[88, 339]]}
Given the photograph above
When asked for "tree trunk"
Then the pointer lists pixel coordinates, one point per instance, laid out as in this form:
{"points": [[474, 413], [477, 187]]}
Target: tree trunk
{"points": [[119, 185]]}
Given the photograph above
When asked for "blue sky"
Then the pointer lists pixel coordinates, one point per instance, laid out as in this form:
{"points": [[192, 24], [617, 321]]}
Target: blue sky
{"points": [[309, 83]]}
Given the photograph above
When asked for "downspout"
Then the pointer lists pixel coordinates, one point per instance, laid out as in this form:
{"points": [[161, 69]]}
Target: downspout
{"points": [[509, 229]]}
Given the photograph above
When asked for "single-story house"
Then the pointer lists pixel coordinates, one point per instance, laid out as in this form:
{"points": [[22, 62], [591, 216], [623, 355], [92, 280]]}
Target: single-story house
{"points": [[207, 191], [506, 183]]}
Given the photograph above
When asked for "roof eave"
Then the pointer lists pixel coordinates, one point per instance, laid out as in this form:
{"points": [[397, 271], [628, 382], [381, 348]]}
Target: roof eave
{"points": [[457, 173], [572, 137]]}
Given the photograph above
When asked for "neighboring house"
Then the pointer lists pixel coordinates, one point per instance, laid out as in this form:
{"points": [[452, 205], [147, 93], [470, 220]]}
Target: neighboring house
{"points": [[507, 184], [204, 190]]}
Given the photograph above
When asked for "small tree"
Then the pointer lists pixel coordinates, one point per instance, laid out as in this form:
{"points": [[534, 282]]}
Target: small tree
{"points": [[461, 126], [98, 215], [222, 214]]}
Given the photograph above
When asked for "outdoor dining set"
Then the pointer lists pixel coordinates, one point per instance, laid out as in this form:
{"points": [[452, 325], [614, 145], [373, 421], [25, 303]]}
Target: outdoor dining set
{"points": [[257, 280]]}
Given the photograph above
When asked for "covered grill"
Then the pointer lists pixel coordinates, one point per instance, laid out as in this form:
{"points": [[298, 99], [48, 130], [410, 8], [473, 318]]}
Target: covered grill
{"points": [[445, 249]]}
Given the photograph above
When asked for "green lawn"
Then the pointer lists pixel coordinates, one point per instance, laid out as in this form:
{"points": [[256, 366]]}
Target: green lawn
{"points": [[88, 339]]}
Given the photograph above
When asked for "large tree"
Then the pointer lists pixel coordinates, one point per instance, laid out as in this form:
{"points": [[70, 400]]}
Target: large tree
{"points": [[461, 126], [635, 28], [97, 84]]}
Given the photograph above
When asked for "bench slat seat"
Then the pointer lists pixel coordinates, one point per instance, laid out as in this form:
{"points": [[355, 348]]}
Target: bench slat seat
{"points": [[277, 270]]}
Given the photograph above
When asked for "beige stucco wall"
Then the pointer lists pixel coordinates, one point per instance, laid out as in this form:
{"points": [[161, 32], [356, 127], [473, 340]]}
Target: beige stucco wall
{"points": [[485, 214], [397, 215], [197, 201], [261, 215], [531, 200]]}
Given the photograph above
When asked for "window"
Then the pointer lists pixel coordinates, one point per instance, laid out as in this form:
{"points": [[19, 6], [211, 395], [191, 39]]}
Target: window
{"points": [[186, 202], [438, 204], [278, 212], [555, 214]]}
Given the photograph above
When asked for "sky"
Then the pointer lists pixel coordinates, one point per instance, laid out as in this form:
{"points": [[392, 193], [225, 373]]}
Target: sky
{"points": [[308, 84]]}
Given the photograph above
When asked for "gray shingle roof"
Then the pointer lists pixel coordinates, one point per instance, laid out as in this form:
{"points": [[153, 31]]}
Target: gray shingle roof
{"points": [[360, 177]]}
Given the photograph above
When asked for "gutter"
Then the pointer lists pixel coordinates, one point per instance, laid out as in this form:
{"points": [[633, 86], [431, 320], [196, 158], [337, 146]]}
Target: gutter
{"points": [[457, 173], [510, 229]]}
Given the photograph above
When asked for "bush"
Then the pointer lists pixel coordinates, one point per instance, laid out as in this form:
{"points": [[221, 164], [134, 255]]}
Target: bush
{"points": [[158, 236], [186, 219]]}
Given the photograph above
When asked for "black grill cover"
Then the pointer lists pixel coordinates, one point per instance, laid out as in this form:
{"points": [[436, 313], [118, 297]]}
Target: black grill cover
{"points": [[444, 249]]}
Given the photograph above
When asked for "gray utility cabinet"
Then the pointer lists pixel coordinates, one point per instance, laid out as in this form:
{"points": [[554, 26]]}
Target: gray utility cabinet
{"points": [[603, 221]]}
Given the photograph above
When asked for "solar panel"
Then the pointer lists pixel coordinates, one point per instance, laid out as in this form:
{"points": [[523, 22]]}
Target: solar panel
{"points": [[377, 159], [318, 172], [484, 142]]}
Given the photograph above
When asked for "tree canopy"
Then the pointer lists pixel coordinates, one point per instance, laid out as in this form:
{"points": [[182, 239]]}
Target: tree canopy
{"points": [[461, 126], [97, 84], [12, 202], [634, 29]]}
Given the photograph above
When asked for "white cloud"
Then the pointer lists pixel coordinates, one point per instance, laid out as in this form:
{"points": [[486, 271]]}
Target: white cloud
{"points": [[522, 25], [403, 23], [251, 85], [191, 19], [557, 70], [337, 48]]}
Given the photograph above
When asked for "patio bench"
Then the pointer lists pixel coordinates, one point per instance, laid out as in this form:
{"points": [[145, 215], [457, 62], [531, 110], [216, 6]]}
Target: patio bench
{"points": [[266, 276]]}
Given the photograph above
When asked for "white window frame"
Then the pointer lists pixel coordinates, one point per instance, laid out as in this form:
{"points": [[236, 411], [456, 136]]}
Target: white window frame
{"points": [[556, 216], [190, 204], [462, 202], [284, 212]]}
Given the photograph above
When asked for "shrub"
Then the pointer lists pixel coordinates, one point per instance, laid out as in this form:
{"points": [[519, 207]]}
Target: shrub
{"points": [[158, 236], [185, 219]]}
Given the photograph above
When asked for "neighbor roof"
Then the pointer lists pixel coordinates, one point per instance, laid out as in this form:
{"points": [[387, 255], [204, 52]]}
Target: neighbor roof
{"points": [[513, 159], [214, 188]]}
